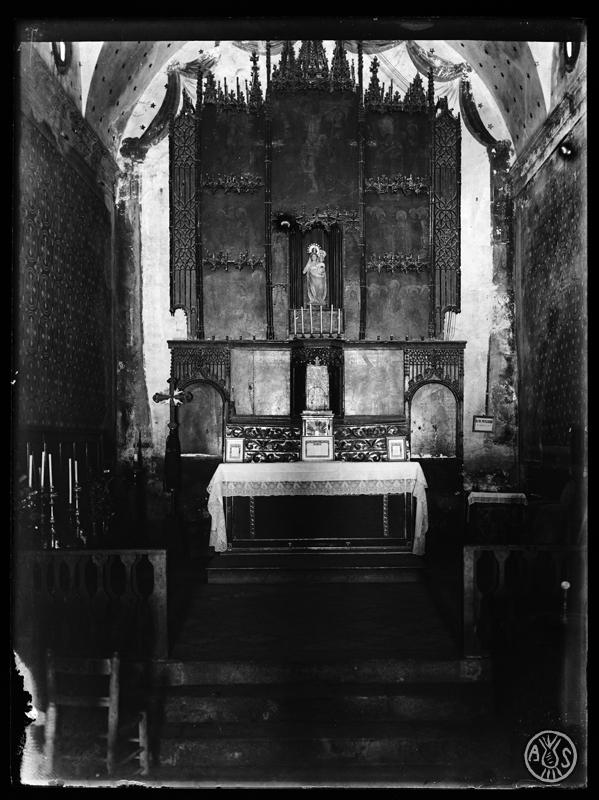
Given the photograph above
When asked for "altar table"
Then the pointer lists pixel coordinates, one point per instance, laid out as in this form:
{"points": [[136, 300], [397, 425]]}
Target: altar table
{"points": [[305, 478]]}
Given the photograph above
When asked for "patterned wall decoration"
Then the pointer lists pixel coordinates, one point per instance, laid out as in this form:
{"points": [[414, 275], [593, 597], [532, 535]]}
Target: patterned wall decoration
{"points": [[550, 252], [445, 207], [268, 443], [281, 443], [366, 442], [228, 260], [65, 364]]}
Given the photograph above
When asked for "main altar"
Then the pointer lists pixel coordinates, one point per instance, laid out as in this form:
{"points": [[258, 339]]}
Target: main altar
{"points": [[304, 479], [315, 261]]}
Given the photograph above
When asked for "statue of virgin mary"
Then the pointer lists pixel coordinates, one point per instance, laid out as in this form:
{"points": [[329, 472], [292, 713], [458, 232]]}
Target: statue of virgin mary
{"points": [[316, 275]]}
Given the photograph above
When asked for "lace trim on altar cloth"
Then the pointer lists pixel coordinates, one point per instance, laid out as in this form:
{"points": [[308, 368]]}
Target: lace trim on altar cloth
{"points": [[338, 487]]}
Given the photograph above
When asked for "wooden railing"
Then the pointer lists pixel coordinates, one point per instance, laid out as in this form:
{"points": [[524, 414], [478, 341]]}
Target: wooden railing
{"points": [[509, 587], [92, 602]]}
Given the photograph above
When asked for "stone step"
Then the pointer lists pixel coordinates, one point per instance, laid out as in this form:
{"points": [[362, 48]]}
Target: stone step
{"points": [[367, 776], [167, 672], [316, 567], [276, 744], [325, 702]]}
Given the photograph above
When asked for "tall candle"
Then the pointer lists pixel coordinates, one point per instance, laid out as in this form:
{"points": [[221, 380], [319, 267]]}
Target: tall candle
{"points": [[302, 320], [321, 319], [30, 467], [331, 323], [338, 320], [43, 476], [70, 481], [294, 322], [50, 470], [311, 324], [76, 474]]}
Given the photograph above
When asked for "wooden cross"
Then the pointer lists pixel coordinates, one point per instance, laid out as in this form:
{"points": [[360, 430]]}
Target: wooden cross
{"points": [[172, 460], [175, 397]]}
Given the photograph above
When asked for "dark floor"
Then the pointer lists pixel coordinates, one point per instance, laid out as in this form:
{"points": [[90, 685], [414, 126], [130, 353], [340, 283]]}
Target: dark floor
{"points": [[312, 622]]}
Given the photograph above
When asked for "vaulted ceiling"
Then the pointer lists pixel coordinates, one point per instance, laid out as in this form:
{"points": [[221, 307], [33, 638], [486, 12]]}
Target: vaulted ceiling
{"points": [[114, 76]]}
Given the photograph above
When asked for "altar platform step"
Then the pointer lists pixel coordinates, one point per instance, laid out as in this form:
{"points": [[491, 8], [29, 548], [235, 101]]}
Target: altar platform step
{"points": [[270, 745], [314, 567], [325, 702]]}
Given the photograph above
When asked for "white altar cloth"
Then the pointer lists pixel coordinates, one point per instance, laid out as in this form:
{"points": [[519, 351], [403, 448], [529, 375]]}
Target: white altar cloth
{"points": [[304, 478]]}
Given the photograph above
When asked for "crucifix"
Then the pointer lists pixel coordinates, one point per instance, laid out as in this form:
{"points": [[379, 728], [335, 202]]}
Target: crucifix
{"points": [[172, 455]]}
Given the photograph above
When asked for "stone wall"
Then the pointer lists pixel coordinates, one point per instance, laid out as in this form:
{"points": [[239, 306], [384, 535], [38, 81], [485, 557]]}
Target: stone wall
{"points": [[65, 275], [550, 254]]}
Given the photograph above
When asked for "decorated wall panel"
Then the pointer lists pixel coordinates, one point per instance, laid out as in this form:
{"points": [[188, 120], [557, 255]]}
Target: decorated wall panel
{"points": [[550, 251], [232, 220], [234, 303], [398, 146], [260, 382], [398, 135], [314, 150], [201, 421], [433, 422], [373, 382], [65, 365], [314, 156], [232, 148], [398, 304]]}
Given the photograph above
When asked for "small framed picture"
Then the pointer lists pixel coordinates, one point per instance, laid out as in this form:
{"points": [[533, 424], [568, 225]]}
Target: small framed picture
{"points": [[317, 448], [482, 423], [318, 426], [234, 450], [396, 448]]}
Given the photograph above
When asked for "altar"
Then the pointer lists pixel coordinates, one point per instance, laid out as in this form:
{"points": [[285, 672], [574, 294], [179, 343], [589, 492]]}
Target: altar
{"points": [[307, 479]]}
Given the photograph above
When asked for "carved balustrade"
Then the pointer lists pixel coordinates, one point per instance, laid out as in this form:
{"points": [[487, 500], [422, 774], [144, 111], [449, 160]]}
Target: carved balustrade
{"points": [[91, 602], [510, 589]]}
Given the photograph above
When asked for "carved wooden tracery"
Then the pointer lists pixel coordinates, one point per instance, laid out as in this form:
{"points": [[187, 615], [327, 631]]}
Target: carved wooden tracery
{"points": [[184, 217], [445, 216]]}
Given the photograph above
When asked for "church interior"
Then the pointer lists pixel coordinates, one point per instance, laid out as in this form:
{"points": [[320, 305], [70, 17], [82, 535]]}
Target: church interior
{"points": [[299, 427]]}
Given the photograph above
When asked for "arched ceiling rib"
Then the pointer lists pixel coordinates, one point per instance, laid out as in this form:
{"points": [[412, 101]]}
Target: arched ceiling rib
{"points": [[122, 73], [509, 72]]}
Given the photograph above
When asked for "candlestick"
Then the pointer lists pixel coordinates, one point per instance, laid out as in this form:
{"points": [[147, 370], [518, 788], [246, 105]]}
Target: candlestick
{"points": [[302, 320], [30, 469], [311, 324], [50, 470], [70, 482], [53, 541], [331, 323], [43, 476]]}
